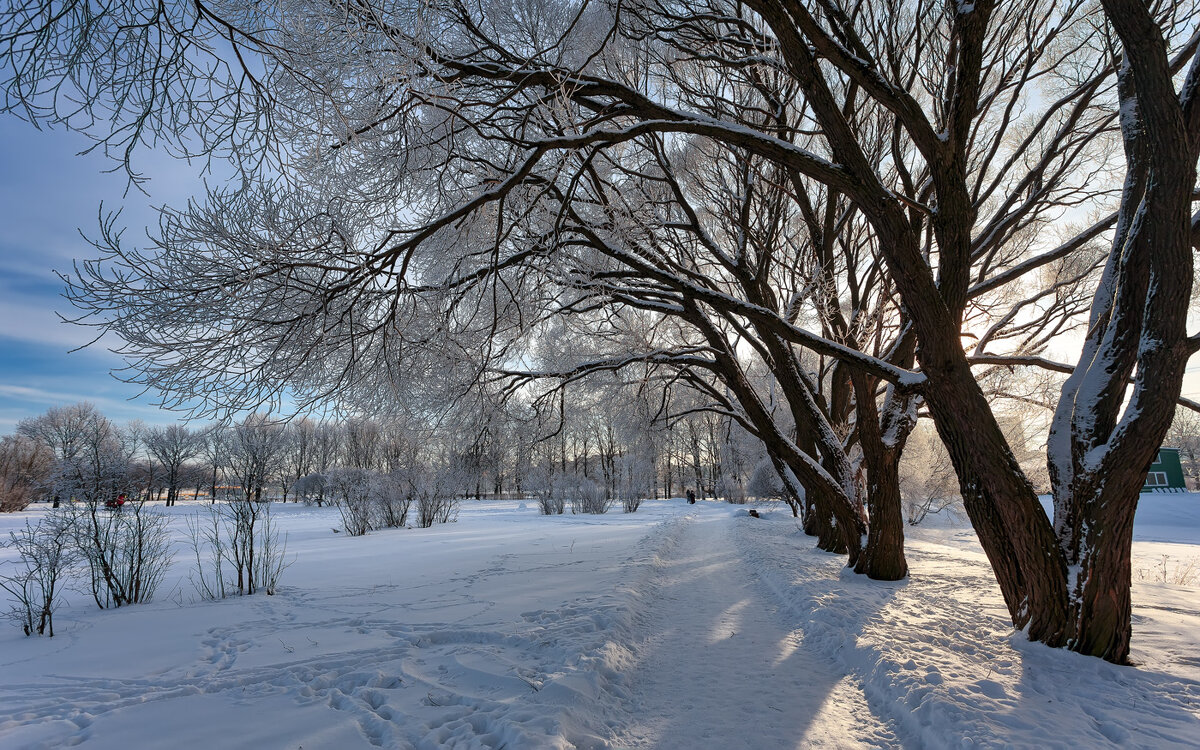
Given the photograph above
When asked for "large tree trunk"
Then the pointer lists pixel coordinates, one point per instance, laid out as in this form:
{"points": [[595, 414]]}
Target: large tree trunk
{"points": [[883, 555], [1101, 607]]}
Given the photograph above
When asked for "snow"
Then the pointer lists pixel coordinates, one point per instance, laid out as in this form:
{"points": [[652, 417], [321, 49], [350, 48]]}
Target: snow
{"points": [[675, 627]]}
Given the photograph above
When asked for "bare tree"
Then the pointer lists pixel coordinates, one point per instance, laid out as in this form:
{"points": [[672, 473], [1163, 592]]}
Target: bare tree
{"points": [[215, 451], [299, 447], [255, 452], [25, 466], [327, 444], [63, 430], [362, 444], [173, 446]]}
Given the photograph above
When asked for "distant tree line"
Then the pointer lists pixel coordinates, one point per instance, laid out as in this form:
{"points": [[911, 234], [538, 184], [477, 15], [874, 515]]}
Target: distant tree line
{"points": [[627, 454]]}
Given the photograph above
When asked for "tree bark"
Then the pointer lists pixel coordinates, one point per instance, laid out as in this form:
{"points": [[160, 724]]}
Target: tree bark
{"points": [[883, 555]]}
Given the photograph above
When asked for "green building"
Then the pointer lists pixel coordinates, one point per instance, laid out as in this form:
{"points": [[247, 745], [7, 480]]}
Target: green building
{"points": [[1166, 473]]}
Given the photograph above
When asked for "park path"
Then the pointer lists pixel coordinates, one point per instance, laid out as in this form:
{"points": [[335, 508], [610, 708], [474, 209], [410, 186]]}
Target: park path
{"points": [[721, 668]]}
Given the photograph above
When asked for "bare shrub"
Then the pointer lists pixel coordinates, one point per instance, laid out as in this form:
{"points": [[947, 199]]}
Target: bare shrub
{"points": [[209, 546], [271, 559], [765, 483], [311, 488], [732, 489], [237, 548], [45, 557], [549, 490], [248, 524], [552, 502], [391, 502], [352, 489], [635, 481], [436, 497], [127, 550], [552, 497], [126, 547], [1182, 573], [590, 497]]}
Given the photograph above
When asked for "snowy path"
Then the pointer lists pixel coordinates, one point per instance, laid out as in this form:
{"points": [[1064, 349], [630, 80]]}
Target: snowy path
{"points": [[720, 667]]}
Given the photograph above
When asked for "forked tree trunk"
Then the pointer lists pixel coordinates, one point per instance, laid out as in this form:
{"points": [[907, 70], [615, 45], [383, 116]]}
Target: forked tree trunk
{"points": [[1101, 606]]}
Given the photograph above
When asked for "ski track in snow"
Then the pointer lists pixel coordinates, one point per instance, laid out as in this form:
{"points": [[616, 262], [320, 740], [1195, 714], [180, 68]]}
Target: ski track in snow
{"points": [[720, 668]]}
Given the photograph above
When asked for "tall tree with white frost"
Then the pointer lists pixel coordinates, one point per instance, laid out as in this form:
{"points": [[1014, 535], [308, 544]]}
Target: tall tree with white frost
{"points": [[413, 171]]}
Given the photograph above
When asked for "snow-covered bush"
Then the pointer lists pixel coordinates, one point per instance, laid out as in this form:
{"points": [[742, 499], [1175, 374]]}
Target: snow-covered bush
{"points": [[549, 489], [765, 483], [590, 497], [436, 495], [636, 472], [551, 501], [391, 501], [352, 489], [732, 489], [367, 499], [311, 488]]}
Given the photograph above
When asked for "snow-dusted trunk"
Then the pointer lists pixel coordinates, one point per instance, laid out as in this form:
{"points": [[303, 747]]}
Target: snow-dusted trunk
{"points": [[793, 492], [836, 524], [824, 525], [1098, 452], [883, 555]]}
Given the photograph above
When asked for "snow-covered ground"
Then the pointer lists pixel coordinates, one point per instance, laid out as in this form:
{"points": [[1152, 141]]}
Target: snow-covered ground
{"points": [[675, 627]]}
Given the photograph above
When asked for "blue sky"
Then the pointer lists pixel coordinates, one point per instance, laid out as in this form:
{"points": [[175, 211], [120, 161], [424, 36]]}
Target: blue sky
{"points": [[47, 195]]}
